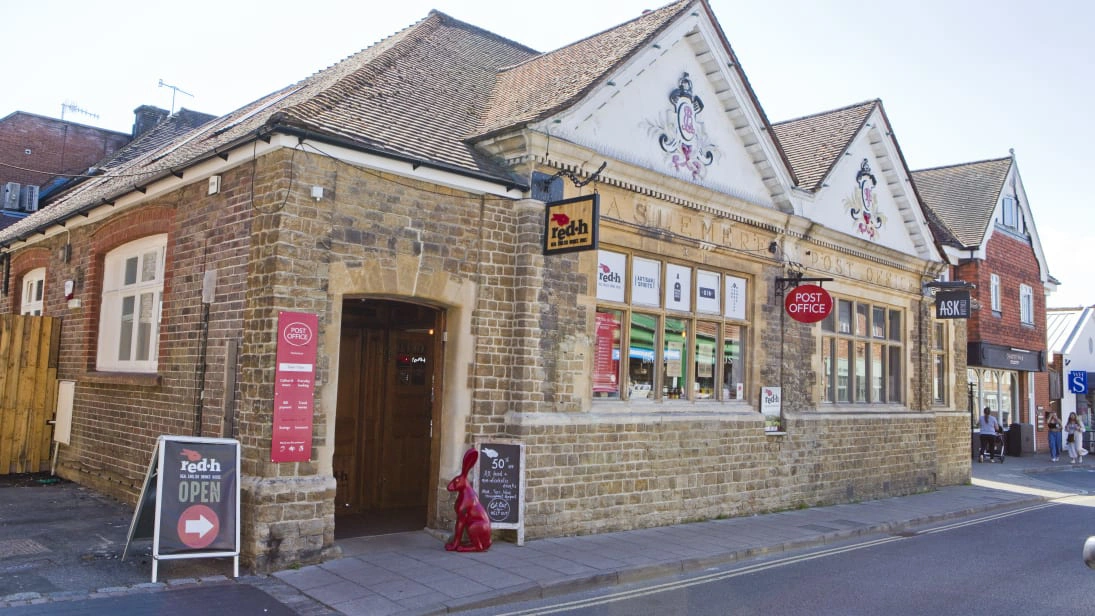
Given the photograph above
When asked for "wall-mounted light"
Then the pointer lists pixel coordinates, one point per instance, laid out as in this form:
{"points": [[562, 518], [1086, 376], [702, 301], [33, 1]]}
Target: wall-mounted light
{"points": [[317, 192]]}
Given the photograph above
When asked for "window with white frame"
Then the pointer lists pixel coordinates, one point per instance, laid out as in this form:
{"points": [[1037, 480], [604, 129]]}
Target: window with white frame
{"points": [[1026, 304], [34, 285], [994, 290], [1009, 212], [862, 353], [129, 319]]}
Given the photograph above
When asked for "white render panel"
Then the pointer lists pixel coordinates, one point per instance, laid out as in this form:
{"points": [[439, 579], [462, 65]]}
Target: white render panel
{"points": [[839, 206], [626, 119]]}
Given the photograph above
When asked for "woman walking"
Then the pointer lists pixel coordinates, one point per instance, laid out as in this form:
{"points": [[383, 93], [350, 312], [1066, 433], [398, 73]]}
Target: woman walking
{"points": [[1054, 425], [1074, 428]]}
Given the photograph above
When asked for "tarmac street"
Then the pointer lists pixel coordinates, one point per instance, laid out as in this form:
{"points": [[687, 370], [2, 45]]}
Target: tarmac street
{"points": [[60, 546]]}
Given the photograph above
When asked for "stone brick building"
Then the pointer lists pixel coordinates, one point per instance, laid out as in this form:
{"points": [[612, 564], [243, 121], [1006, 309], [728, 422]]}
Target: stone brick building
{"points": [[401, 197], [980, 212]]}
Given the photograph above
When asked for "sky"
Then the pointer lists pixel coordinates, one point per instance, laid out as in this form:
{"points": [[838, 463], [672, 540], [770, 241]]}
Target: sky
{"points": [[960, 80]]}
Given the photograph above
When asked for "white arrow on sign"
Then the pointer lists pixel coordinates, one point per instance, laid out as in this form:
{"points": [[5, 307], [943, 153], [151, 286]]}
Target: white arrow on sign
{"points": [[201, 526]]}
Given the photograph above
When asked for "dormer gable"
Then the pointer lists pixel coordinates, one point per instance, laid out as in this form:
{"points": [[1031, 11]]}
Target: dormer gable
{"points": [[853, 178], [662, 93]]}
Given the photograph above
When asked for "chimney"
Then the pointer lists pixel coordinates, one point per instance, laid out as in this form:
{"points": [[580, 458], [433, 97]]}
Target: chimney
{"points": [[147, 117]]}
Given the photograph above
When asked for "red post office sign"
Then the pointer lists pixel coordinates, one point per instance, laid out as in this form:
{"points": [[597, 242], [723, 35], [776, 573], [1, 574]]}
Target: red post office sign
{"points": [[294, 387], [808, 303]]}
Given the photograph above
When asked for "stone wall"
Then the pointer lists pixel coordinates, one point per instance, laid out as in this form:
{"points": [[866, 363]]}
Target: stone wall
{"points": [[618, 473]]}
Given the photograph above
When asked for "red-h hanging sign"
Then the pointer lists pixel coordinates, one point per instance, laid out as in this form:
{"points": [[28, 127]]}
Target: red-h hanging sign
{"points": [[294, 387]]}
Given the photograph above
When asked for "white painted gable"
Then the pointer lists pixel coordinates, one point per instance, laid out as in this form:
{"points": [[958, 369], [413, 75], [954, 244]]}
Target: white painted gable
{"points": [[1022, 225], [642, 117], [868, 195]]}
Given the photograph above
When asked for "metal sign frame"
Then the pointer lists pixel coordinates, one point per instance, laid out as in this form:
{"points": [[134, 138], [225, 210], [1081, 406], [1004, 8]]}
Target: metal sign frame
{"points": [[155, 473], [519, 525]]}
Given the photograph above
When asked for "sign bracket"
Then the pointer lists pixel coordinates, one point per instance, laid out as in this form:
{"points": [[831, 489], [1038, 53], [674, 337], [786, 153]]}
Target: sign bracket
{"points": [[792, 281]]}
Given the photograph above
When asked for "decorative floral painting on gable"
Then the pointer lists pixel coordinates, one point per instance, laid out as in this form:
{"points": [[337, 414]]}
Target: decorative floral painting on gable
{"points": [[682, 135], [861, 205]]}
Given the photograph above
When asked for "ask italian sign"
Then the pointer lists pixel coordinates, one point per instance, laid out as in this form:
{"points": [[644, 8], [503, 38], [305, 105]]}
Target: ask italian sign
{"points": [[952, 304]]}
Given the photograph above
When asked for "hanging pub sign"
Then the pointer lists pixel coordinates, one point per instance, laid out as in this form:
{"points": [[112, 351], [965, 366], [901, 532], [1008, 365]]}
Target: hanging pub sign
{"points": [[570, 225], [952, 304], [294, 387], [808, 303]]}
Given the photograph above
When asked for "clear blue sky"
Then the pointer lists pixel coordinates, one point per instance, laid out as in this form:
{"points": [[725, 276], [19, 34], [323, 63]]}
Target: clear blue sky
{"points": [[961, 80]]}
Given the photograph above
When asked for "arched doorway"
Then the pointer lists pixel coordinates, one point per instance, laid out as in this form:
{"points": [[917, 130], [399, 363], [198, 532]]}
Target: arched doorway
{"points": [[389, 382]]}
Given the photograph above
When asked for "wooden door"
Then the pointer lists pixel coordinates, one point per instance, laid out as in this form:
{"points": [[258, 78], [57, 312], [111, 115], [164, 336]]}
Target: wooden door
{"points": [[28, 391], [407, 420], [387, 379]]}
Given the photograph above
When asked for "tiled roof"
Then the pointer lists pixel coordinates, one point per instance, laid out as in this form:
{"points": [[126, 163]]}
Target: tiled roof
{"points": [[814, 143], [421, 94], [420, 97], [961, 199], [547, 83], [417, 93], [179, 123]]}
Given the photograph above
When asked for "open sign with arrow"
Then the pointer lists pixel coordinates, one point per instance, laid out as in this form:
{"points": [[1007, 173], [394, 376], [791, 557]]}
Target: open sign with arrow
{"points": [[190, 502]]}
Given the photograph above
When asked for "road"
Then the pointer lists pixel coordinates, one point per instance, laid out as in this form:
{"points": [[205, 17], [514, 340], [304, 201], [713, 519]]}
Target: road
{"points": [[1026, 561]]}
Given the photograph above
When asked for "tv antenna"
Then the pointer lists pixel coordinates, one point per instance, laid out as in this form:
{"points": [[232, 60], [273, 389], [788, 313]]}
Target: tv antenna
{"points": [[174, 90], [74, 108]]}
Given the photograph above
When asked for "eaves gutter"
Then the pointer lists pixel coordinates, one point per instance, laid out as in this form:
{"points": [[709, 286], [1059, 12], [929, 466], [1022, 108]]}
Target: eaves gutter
{"points": [[264, 134], [352, 144]]}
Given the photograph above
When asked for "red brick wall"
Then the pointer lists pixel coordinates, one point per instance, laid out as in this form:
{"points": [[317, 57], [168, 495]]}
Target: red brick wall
{"points": [[117, 417], [56, 147], [1014, 261]]}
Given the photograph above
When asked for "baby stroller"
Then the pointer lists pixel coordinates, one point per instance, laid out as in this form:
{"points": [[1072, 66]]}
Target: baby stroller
{"points": [[995, 450]]}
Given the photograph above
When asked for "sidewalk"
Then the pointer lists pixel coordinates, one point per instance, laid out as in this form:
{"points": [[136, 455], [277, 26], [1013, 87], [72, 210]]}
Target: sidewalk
{"points": [[411, 573]]}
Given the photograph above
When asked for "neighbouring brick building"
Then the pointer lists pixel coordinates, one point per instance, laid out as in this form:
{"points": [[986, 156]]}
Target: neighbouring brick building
{"points": [[981, 214], [401, 196]]}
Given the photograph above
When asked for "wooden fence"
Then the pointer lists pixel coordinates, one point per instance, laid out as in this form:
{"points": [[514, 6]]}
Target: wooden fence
{"points": [[28, 391]]}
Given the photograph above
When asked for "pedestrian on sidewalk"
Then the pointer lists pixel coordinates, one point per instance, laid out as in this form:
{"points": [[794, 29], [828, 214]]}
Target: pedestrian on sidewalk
{"points": [[989, 429], [1054, 424], [1074, 428]]}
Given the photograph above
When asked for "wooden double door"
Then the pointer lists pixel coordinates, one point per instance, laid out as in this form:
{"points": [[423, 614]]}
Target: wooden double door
{"points": [[389, 381]]}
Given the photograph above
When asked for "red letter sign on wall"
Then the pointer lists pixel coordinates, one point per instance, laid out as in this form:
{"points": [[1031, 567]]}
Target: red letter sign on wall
{"points": [[808, 303], [294, 387]]}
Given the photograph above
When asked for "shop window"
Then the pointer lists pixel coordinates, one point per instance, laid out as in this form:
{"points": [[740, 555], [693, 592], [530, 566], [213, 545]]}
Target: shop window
{"points": [[33, 292], [640, 354], [707, 341], [939, 364], [606, 354], [733, 353], [862, 354], [675, 359], [669, 320], [129, 318], [1026, 304]]}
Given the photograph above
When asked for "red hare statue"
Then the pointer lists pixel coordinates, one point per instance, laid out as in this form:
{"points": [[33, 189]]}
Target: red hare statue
{"points": [[470, 515]]}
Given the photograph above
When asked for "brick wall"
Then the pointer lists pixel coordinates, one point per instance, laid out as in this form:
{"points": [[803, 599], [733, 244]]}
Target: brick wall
{"points": [[1013, 260], [56, 147], [117, 417]]}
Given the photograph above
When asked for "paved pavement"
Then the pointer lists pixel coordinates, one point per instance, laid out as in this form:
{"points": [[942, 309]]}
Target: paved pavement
{"points": [[57, 562]]}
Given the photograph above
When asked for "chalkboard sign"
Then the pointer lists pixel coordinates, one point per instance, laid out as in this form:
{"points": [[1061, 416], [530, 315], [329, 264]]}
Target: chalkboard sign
{"points": [[500, 482]]}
